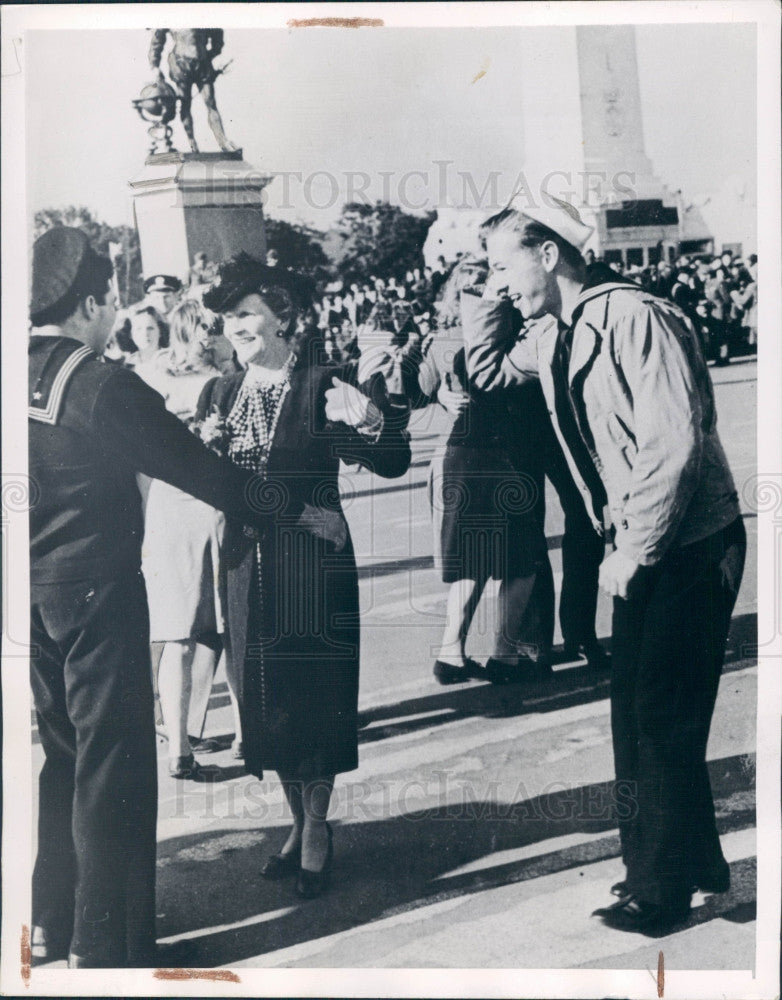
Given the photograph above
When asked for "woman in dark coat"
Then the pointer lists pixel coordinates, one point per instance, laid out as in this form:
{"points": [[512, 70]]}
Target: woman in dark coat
{"points": [[487, 499], [292, 594]]}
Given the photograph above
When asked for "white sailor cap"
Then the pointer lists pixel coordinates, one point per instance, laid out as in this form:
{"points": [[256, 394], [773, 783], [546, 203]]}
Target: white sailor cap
{"points": [[558, 215]]}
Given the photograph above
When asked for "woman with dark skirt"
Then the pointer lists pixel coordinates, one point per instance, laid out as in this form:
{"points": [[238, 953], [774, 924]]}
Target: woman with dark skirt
{"points": [[292, 593], [486, 495]]}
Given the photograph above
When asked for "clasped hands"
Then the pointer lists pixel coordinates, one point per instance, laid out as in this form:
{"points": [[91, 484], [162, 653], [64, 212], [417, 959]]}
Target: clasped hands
{"points": [[345, 404], [321, 522]]}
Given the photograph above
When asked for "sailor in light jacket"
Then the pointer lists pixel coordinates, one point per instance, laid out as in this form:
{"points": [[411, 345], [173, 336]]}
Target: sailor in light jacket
{"points": [[632, 403], [650, 426]]}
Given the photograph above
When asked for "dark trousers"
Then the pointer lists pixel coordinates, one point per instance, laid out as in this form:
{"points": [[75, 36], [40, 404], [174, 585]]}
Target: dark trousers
{"points": [[667, 653], [94, 876], [582, 552]]}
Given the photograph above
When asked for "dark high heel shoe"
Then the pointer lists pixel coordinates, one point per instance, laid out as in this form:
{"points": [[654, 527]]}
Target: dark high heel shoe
{"points": [[184, 767], [311, 884], [281, 865], [455, 673]]}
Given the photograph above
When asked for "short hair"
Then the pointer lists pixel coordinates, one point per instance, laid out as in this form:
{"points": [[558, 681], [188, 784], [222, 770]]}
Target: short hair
{"points": [[92, 279], [532, 234], [287, 294], [161, 323]]}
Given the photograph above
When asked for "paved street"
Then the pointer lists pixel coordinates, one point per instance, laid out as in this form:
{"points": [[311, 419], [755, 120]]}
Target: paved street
{"points": [[477, 831]]}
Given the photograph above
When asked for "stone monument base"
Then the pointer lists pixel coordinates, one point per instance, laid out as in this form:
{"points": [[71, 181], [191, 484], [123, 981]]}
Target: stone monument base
{"points": [[186, 203]]}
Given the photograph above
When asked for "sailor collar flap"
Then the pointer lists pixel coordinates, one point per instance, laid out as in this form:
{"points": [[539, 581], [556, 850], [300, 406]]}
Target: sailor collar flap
{"points": [[48, 395]]}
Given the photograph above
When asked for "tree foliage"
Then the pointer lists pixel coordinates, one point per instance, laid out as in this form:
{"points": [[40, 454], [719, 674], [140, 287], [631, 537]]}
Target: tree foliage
{"points": [[299, 248], [378, 239], [121, 243]]}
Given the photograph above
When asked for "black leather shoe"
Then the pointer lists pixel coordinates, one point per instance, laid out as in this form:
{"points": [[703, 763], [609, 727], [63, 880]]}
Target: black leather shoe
{"points": [[714, 881], [634, 915], [453, 673], [719, 882], [204, 746], [281, 865], [311, 884], [183, 767]]}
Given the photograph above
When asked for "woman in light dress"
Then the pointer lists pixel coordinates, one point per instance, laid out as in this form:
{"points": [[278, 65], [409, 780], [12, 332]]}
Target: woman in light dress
{"points": [[183, 538]]}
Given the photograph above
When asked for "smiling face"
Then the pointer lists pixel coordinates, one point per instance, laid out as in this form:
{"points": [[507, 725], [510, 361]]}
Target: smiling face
{"points": [[521, 271], [251, 327]]}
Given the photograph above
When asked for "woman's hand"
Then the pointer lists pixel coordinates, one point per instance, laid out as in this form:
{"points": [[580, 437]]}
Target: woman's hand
{"points": [[346, 404], [455, 401], [327, 524], [496, 286]]}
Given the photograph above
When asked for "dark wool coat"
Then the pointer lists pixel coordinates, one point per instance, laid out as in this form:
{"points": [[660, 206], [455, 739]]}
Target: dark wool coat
{"points": [[293, 612]]}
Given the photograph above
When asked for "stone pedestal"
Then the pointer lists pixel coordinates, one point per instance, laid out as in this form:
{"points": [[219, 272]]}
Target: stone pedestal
{"points": [[184, 203]]}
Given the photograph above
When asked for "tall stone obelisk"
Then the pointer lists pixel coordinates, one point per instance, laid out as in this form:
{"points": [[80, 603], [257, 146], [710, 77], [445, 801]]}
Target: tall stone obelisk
{"points": [[611, 117], [637, 219]]}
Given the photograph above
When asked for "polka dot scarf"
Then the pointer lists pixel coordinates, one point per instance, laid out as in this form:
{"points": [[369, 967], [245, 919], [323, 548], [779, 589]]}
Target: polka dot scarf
{"points": [[253, 419]]}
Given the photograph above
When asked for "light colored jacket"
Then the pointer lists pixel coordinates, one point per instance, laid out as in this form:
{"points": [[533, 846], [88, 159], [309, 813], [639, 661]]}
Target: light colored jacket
{"points": [[643, 400]]}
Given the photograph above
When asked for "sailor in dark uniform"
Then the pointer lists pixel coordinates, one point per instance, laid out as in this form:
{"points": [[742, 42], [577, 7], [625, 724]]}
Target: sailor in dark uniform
{"points": [[92, 427]]}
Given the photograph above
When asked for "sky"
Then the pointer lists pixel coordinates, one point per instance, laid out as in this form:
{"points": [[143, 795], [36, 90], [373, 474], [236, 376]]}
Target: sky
{"points": [[327, 103]]}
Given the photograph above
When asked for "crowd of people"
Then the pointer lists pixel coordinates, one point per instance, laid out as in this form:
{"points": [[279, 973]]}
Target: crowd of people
{"points": [[199, 509], [718, 293]]}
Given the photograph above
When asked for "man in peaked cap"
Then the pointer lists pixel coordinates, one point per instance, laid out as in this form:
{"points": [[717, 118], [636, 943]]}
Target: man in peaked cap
{"points": [[632, 404], [92, 427], [162, 292]]}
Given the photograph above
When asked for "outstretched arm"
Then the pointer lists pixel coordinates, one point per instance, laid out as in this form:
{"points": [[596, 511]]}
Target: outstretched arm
{"points": [[132, 421]]}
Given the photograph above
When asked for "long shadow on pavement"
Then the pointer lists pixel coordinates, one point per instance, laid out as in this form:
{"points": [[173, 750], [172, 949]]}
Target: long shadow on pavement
{"points": [[576, 685], [399, 864]]}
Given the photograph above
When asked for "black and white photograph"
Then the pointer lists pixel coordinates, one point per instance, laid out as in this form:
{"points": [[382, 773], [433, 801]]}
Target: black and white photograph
{"points": [[392, 529]]}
